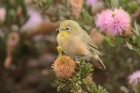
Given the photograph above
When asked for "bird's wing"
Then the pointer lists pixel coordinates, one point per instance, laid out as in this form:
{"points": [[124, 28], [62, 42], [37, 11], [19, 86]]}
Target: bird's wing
{"points": [[86, 38], [89, 42]]}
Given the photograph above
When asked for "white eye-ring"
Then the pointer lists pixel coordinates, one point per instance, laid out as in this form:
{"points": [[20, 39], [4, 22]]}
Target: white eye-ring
{"points": [[67, 29]]}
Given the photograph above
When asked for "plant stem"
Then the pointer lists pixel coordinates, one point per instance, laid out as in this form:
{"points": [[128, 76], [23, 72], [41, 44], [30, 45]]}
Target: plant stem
{"points": [[106, 2]]}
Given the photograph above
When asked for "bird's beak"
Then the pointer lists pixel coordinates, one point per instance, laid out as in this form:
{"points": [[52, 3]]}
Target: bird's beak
{"points": [[59, 29]]}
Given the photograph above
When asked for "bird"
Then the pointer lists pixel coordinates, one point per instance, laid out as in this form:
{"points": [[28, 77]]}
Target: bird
{"points": [[76, 43]]}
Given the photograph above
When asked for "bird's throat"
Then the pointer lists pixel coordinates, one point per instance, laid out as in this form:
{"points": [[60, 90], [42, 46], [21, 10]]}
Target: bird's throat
{"points": [[63, 37], [64, 34]]}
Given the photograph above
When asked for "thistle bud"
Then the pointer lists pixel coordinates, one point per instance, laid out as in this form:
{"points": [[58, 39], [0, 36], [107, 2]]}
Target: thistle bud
{"points": [[64, 67]]}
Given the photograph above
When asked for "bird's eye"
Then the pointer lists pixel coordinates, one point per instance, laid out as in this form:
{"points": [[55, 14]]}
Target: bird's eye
{"points": [[67, 29]]}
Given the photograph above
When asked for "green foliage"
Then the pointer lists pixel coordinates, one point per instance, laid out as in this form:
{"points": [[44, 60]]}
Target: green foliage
{"points": [[43, 4], [135, 89], [86, 17], [130, 6]]}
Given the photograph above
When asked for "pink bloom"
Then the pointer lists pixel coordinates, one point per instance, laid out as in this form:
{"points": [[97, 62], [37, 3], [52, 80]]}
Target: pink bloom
{"points": [[101, 18], [114, 21], [2, 14], [34, 21], [134, 78], [118, 21], [35, 16], [91, 2]]}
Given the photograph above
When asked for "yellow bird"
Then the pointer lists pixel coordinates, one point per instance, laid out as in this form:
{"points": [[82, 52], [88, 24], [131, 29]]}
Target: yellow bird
{"points": [[75, 42]]}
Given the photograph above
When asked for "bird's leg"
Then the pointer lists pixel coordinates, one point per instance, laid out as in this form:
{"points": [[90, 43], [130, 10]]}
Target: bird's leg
{"points": [[76, 58], [88, 59]]}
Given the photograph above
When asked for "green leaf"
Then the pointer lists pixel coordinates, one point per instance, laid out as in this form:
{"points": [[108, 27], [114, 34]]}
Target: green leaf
{"points": [[83, 85], [86, 70], [133, 6], [119, 40], [72, 91], [101, 90], [59, 88], [91, 85], [48, 3], [94, 90], [124, 89], [86, 17], [109, 41], [129, 45], [137, 40], [136, 27], [114, 3], [79, 82], [75, 86]]}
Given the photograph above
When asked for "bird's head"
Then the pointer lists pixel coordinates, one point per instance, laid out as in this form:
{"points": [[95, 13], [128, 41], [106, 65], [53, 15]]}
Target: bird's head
{"points": [[69, 27]]}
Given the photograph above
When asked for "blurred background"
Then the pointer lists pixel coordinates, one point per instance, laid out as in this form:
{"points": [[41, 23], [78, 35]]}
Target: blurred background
{"points": [[28, 44]]}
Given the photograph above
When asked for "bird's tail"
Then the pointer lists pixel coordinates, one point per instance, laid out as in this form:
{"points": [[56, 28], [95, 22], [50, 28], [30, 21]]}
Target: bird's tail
{"points": [[98, 63]]}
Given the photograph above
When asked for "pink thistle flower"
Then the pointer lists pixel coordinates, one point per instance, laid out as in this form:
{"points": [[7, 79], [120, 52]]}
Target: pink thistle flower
{"points": [[134, 78], [34, 21], [101, 18], [115, 22], [118, 21]]}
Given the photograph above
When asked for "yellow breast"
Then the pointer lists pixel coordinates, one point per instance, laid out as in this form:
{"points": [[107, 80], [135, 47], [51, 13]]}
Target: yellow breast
{"points": [[62, 37], [71, 45]]}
